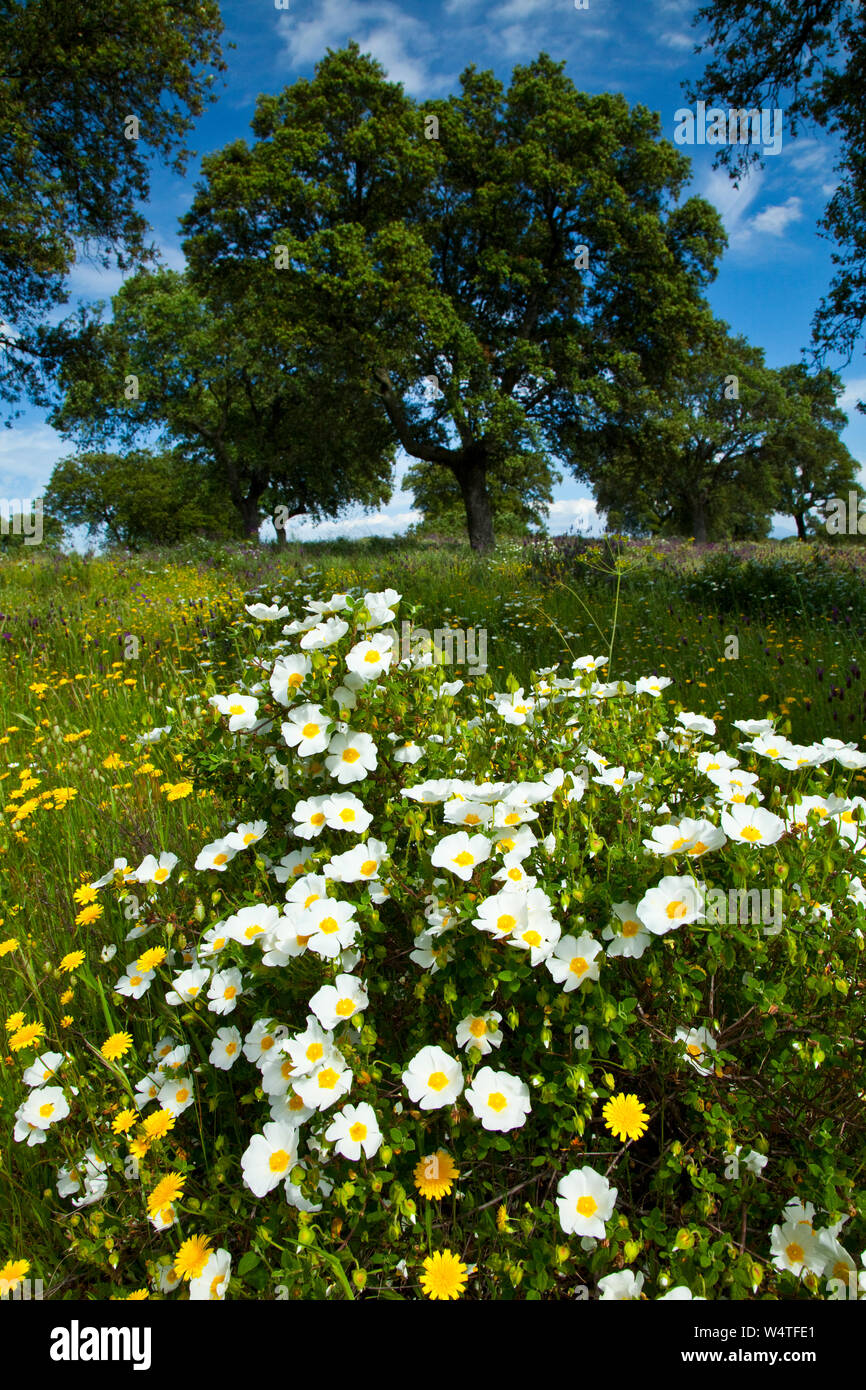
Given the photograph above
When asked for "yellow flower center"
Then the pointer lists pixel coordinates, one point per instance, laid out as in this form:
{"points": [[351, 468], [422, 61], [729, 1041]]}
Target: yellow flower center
{"points": [[437, 1081], [314, 1052], [676, 910], [631, 927], [750, 833], [794, 1253], [463, 858], [329, 925], [279, 1161], [230, 991], [478, 1027], [317, 818], [587, 1206], [357, 1132], [496, 1101], [328, 1079], [347, 816], [310, 730], [532, 937], [369, 867], [182, 1096], [46, 1110], [577, 965], [506, 923], [351, 755], [345, 1008]]}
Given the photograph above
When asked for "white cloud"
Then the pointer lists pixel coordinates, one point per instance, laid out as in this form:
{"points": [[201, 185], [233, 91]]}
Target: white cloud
{"points": [[398, 40], [855, 391], [773, 220], [574, 511], [27, 457]]}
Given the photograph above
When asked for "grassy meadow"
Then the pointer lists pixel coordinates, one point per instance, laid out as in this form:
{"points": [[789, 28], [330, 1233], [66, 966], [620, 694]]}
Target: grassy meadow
{"points": [[98, 651]]}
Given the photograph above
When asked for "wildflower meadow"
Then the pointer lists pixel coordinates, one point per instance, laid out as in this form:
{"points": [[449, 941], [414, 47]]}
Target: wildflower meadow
{"points": [[334, 972]]}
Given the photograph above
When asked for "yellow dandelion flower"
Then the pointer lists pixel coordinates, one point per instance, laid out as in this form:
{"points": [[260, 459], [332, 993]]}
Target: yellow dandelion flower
{"points": [[157, 1124], [192, 1257], [501, 1217], [14, 1022], [10, 944], [149, 960], [167, 1190], [124, 1121], [85, 894], [625, 1117], [67, 996], [444, 1276], [138, 1147], [112, 761], [178, 790], [11, 1274], [89, 914], [71, 961], [116, 1046], [435, 1174], [138, 1297], [67, 1021], [27, 1036]]}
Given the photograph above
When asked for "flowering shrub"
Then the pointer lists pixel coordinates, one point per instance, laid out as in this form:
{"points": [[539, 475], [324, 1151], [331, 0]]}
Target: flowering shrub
{"points": [[477, 993]]}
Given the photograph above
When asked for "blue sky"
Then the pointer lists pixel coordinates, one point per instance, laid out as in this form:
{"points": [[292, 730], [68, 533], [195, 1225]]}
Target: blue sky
{"points": [[770, 279]]}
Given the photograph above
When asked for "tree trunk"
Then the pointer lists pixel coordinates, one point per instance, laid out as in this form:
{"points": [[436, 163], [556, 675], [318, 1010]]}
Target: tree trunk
{"points": [[699, 519], [472, 477], [249, 510], [800, 519]]}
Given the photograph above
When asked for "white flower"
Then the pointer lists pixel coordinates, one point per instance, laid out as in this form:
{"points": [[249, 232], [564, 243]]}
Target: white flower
{"points": [[309, 817], [212, 1284], [461, 853], [135, 983], [44, 1106], [251, 923], [344, 811], [247, 834], [369, 659], [433, 1079], [573, 961], [153, 870], [696, 723], [673, 902], [352, 756], [498, 1099], [585, 1200], [224, 992], [332, 927], [795, 1248], [752, 825], [269, 1158], [46, 1066], [326, 1084], [358, 865], [481, 1031], [176, 1096], [307, 730], [623, 1286], [698, 1043], [632, 939], [242, 709], [336, 1003], [216, 855], [381, 606], [288, 676], [324, 634], [652, 685], [225, 1048], [188, 986], [355, 1130]]}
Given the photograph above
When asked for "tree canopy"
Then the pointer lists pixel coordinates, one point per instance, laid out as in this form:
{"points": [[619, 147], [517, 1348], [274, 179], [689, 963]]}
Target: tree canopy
{"points": [[807, 57], [72, 166], [272, 420], [513, 244]]}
